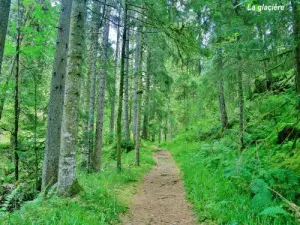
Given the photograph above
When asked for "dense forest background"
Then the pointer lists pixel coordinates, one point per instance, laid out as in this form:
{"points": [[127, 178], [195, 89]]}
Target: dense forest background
{"points": [[88, 87]]}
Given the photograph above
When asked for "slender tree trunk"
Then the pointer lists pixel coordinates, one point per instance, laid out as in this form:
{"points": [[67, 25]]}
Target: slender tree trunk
{"points": [[239, 78], [4, 9], [56, 101], [296, 27], [85, 92], [122, 71], [36, 162], [147, 98], [126, 89], [94, 52], [139, 96], [16, 97], [135, 84], [96, 160], [113, 99], [222, 105], [241, 101], [261, 32], [67, 183]]}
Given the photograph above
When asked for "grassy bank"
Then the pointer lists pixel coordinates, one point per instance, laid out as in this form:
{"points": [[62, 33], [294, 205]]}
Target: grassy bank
{"points": [[229, 187], [105, 196]]}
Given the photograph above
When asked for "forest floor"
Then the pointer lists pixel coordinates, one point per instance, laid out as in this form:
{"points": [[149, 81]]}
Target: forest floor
{"points": [[161, 197]]}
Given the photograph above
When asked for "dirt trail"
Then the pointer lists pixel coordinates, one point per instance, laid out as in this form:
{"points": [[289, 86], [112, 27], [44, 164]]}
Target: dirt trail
{"points": [[161, 198]]}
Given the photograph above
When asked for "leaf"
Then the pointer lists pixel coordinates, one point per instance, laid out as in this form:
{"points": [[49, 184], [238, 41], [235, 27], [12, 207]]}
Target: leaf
{"points": [[274, 211], [258, 185]]}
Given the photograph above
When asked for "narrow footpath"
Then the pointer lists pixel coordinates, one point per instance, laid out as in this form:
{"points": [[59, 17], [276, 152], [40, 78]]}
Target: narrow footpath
{"points": [[161, 197]]}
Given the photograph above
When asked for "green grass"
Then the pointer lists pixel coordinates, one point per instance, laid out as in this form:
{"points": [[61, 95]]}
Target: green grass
{"points": [[105, 196], [227, 187]]}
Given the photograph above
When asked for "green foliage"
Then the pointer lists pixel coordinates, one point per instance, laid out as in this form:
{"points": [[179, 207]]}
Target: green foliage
{"points": [[102, 199], [229, 187]]}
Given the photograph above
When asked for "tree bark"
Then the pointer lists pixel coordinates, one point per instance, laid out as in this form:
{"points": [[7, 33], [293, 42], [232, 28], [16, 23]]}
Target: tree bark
{"points": [[96, 160], [56, 101], [15, 139], [241, 101], [113, 99], [222, 104], [135, 84], [122, 71], [4, 9], [94, 52], [147, 98], [126, 89], [67, 161], [139, 96]]}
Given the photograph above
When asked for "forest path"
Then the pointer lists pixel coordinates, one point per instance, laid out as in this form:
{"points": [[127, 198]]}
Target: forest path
{"points": [[161, 197]]}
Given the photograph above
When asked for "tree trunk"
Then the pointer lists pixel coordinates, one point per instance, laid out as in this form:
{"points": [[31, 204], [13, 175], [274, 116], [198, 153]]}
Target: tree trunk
{"points": [[94, 52], [16, 97], [122, 71], [147, 99], [296, 27], [67, 184], [240, 85], [135, 84], [56, 101], [113, 99], [4, 9], [222, 105], [241, 101], [96, 160], [139, 96], [126, 89]]}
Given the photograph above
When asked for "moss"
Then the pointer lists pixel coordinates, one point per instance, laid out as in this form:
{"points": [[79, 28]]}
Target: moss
{"points": [[74, 189]]}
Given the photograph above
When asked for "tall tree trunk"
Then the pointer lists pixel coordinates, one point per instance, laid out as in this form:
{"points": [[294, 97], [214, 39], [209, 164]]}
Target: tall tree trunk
{"points": [[36, 161], [147, 98], [240, 84], [261, 32], [16, 97], [135, 84], [139, 96], [122, 71], [94, 52], [85, 92], [126, 89], [56, 101], [4, 9], [67, 160], [296, 27], [113, 99], [96, 160], [222, 105], [241, 101]]}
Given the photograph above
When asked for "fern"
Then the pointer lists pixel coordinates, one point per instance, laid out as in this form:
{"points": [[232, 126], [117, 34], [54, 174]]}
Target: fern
{"points": [[263, 197], [9, 199], [274, 211]]}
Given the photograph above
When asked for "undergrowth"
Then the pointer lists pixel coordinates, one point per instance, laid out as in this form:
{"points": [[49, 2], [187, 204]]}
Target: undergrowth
{"points": [[105, 195], [259, 185]]}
